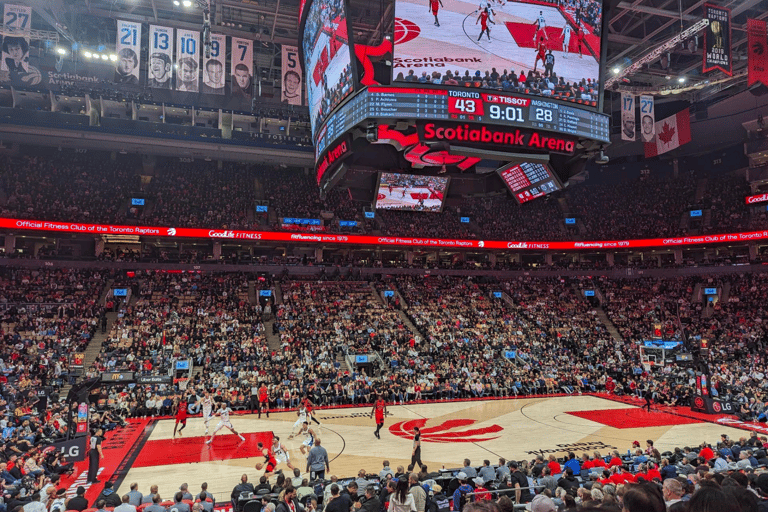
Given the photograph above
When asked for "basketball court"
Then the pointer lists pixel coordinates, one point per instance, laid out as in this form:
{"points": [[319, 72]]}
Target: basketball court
{"points": [[423, 46], [146, 452]]}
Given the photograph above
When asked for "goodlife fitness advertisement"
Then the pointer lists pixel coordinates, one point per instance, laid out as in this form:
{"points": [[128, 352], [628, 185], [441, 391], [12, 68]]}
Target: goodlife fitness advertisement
{"points": [[322, 238], [484, 38], [327, 59]]}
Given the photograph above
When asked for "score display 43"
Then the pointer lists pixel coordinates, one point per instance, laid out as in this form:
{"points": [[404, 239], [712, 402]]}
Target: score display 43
{"points": [[471, 106]]}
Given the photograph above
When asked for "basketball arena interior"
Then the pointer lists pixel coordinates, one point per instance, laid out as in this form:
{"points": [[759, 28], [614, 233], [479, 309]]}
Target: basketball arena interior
{"points": [[383, 256]]}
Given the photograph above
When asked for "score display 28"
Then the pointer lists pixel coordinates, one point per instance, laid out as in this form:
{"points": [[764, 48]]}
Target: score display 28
{"points": [[499, 108]]}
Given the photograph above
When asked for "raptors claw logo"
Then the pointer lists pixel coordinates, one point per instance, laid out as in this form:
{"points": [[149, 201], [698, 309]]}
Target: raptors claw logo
{"points": [[445, 432]]}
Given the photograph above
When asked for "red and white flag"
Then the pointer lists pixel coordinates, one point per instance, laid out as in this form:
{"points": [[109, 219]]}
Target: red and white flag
{"points": [[671, 133]]}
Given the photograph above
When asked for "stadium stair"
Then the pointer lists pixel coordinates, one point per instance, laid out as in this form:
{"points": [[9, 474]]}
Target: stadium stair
{"points": [[684, 217], [725, 294], [278, 294], [273, 340], [701, 188], [612, 330], [377, 294], [707, 221], [252, 298]]}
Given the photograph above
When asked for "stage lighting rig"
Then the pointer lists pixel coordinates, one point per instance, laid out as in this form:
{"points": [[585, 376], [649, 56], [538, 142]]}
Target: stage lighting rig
{"points": [[656, 53]]}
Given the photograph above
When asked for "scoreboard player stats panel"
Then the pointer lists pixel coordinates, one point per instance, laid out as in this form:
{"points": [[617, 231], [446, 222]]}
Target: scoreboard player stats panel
{"points": [[460, 105], [529, 180], [488, 42]]}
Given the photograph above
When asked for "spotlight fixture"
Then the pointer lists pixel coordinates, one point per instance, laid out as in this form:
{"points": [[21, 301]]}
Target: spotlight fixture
{"points": [[187, 3], [113, 57], [616, 70], [87, 54], [104, 56], [176, 3], [61, 51], [681, 79]]}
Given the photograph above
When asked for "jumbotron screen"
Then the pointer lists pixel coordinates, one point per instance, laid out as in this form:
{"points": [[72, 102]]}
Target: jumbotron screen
{"points": [[327, 58], [408, 192], [500, 44]]}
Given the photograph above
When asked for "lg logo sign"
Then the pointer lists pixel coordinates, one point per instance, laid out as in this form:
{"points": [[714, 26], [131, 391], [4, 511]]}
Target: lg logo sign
{"points": [[74, 450]]}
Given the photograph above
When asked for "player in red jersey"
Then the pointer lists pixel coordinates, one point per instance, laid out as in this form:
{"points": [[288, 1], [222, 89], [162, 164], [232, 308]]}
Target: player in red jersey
{"points": [[308, 405], [483, 20], [263, 400], [181, 415], [434, 6], [541, 54], [269, 460], [380, 409], [580, 40]]}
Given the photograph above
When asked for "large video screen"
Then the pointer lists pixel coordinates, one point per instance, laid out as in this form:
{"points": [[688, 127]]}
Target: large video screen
{"points": [[411, 193], [547, 49], [327, 59]]}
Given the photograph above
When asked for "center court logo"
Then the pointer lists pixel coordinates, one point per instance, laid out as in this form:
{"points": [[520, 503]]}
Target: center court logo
{"points": [[405, 31], [449, 431]]}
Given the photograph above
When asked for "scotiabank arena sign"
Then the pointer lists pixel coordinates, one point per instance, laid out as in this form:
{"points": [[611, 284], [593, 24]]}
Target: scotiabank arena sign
{"points": [[496, 138], [759, 198], [334, 156]]}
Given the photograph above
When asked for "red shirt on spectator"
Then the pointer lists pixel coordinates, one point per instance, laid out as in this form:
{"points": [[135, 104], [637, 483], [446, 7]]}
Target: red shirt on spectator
{"points": [[707, 453], [554, 466], [615, 462]]}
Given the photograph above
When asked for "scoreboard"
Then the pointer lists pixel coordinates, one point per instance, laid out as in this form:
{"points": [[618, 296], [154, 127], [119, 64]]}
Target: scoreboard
{"points": [[477, 106], [529, 180]]}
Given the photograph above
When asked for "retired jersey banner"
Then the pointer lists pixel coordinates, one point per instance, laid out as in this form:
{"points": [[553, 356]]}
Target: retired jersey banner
{"points": [[242, 67], [214, 76], [292, 76], [627, 116], [160, 69], [187, 60], [757, 52], [128, 49], [17, 22], [717, 39], [671, 133], [647, 118]]}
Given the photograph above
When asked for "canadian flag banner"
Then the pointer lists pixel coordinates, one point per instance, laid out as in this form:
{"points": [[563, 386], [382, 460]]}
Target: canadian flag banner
{"points": [[671, 133]]}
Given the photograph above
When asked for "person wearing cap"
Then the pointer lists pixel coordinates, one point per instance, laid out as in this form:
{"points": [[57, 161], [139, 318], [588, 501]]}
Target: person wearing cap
{"points": [[78, 502], [542, 503], [110, 497], [481, 493], [463, 489]]}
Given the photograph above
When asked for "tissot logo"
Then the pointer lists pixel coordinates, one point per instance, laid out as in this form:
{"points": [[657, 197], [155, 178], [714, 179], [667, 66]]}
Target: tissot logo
{"points": [[446, 432]]}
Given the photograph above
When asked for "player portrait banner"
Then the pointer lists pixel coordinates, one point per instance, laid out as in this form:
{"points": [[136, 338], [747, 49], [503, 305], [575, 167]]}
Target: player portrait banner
{"points": [[187, 60], [17, 21], [671, 133], [627, 116], [717, 39], [292, 76], [242, 68], [215, 66], [757, 44], [160, 69], [647, 118], [128, 49]]}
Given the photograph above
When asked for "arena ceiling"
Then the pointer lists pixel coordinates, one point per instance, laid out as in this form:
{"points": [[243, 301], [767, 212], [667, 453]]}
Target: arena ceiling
{"points": [[634, 27]]}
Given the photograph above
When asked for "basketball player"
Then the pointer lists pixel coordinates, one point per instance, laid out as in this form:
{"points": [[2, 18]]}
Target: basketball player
{"points": [[181, 415], [207, 404], [541, 54], [579, 40], [483, 20], [277, 454], [380, 409], [263, 400], [302, 419], [223, 413], [491, 12], [566, 38], [309, 438], [309, 406], [541, 25], [434, 6]]}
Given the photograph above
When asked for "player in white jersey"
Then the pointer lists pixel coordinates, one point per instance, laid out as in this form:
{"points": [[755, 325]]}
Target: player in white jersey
{"points": [[309, 438], [223, 413], [302, 418], [566, 38], [207, 404], [274, 455], [541, 30]]}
